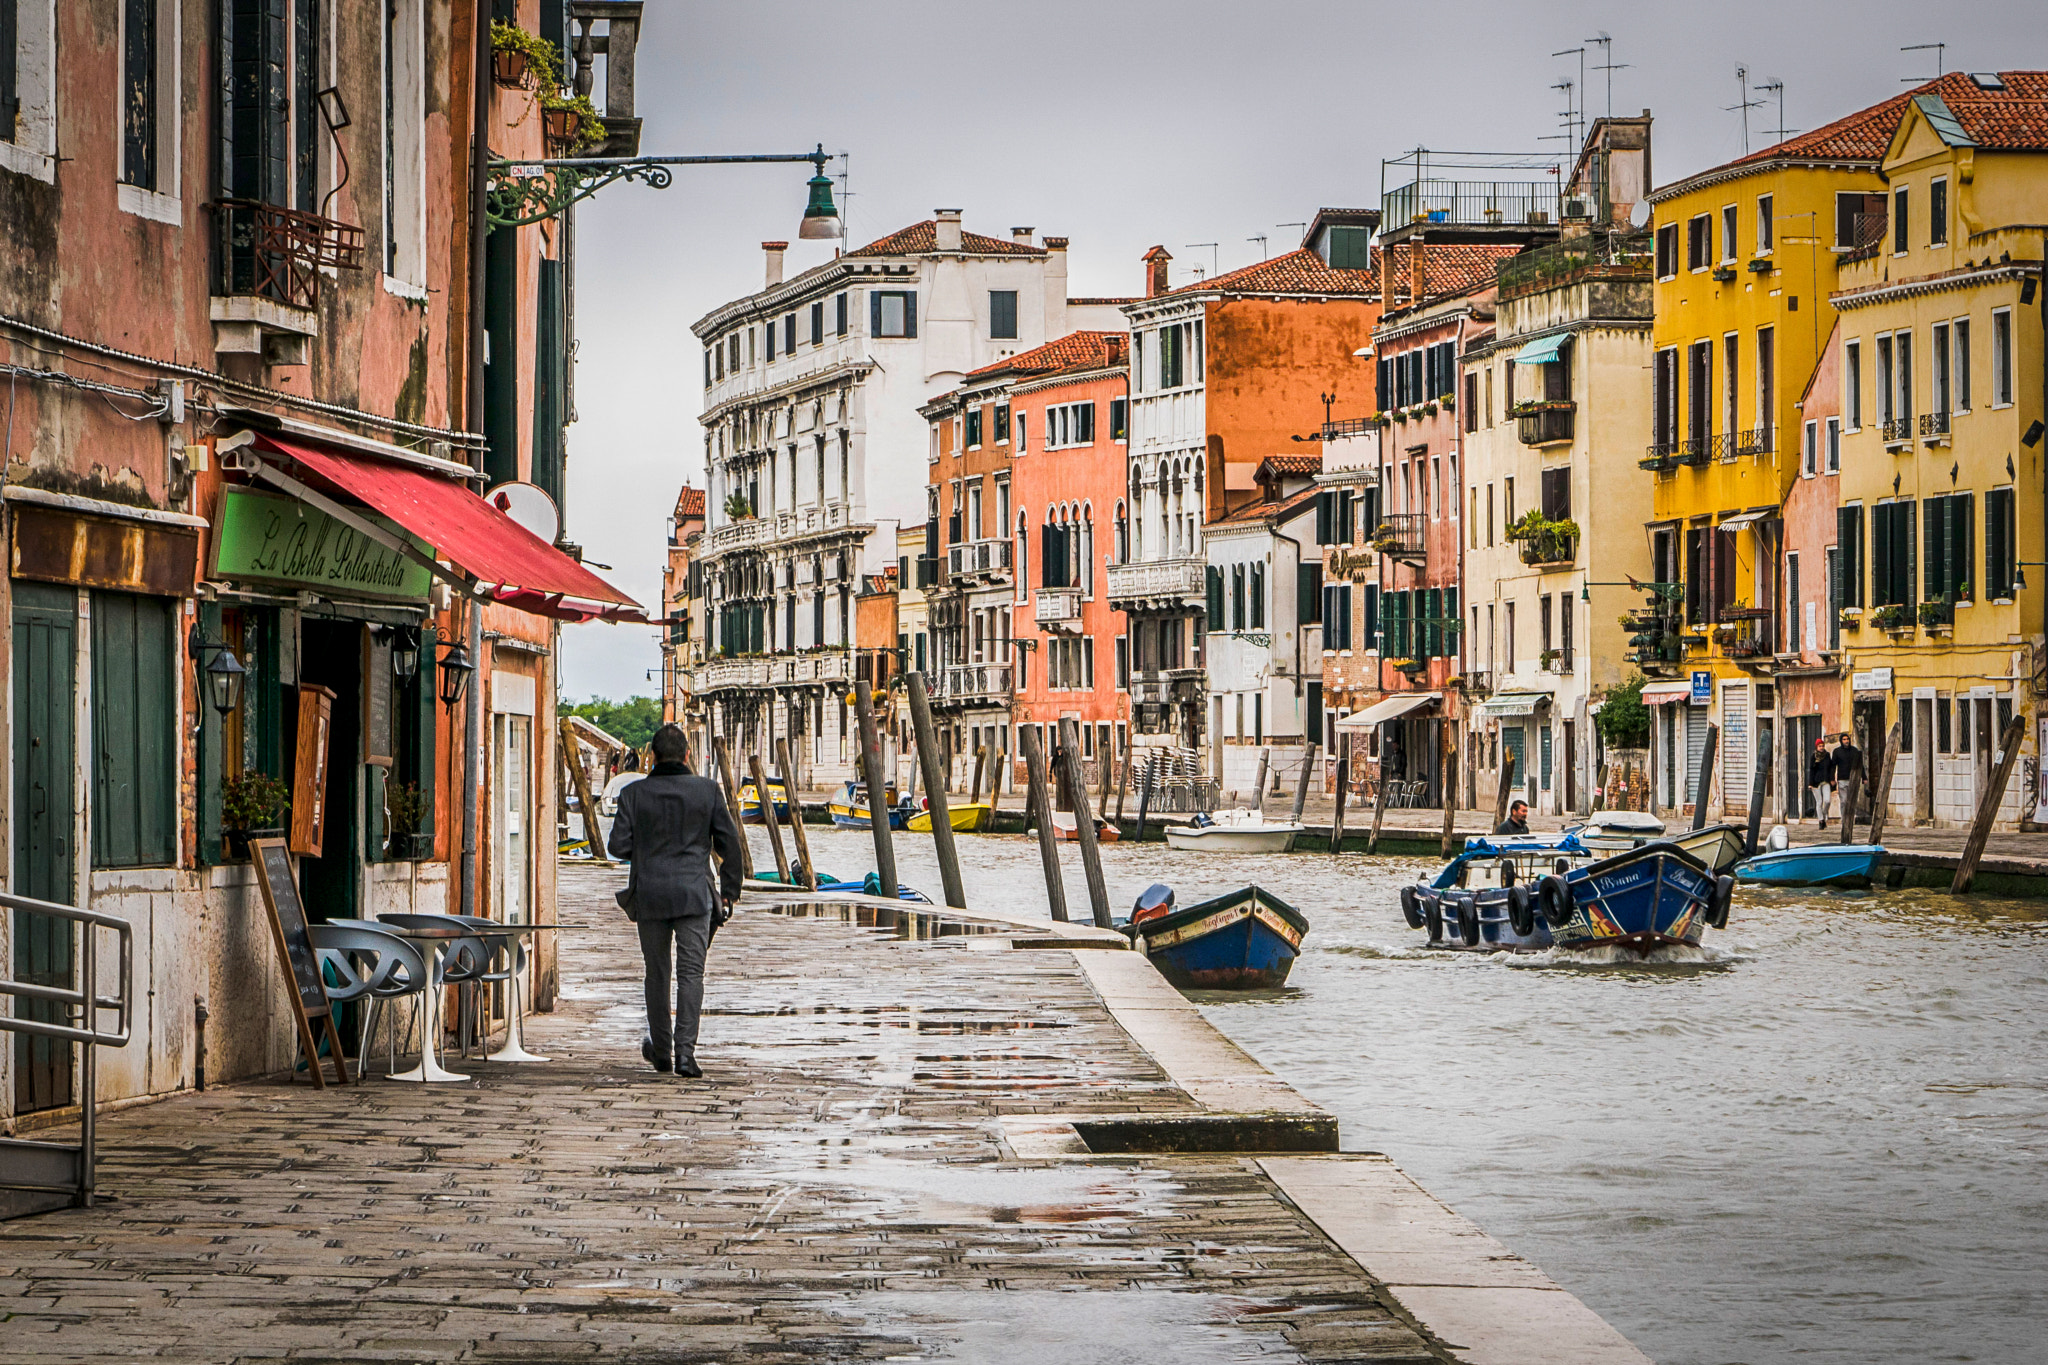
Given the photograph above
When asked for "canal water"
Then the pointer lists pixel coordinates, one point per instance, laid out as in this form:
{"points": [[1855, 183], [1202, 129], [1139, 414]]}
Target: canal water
{"points": [[1820, 1139]]}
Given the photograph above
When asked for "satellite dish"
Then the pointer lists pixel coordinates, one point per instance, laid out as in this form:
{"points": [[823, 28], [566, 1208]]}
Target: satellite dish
{"points": [[530, 506], [1639, 213]]}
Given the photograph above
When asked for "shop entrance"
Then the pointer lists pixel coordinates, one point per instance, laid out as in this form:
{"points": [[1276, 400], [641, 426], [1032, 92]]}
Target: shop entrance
{"points": [[45, 814], [331, 654]]}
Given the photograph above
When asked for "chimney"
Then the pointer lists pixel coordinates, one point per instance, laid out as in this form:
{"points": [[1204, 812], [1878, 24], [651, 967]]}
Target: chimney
{"points": [[1021, 235], [1418, 270], [949, 228], [1155, 272], [1054, 243], [773, 251]]}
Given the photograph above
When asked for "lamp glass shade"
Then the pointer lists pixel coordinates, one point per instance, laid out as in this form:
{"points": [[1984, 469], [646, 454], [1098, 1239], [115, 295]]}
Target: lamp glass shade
{"points": [[455, 670], [224, 678], [405, 656], [821, 217]]}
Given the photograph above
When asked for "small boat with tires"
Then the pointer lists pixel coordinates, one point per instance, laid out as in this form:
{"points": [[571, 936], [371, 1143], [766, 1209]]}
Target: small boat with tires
{"points": [[1233, 831], [1720, 847], [1826, 865], [1242, 940], [1656, 896]]}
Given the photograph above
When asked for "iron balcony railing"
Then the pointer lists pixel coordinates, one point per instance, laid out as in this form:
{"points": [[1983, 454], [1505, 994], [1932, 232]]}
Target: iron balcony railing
{"points": [[1722, 447], [1867, 232], [1401, 534], [1548, 424], [1659, 457], [279, 253], [1746, 632], [1897, 430], [1934, 424], [1755, 441], [1695, 450]]}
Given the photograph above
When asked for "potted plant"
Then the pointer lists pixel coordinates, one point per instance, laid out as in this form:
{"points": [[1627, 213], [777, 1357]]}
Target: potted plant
{"points": [[520, 59], [1429, 408], [570, 120], [410, 839], [737, 508], [1449, 401], [1892, 616], [251, 807], [1937, 616], [1548, 659]]}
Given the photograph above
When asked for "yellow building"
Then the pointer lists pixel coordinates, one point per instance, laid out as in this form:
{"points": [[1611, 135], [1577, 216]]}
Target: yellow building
{"points": [[1942, 393], [1747, 256]]}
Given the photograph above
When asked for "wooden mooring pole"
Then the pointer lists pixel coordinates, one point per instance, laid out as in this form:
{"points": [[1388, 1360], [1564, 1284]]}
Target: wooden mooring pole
{"points": [[1756, 789], [1881, 794], [767, 803], [878, 790], [732, 802], [1705, 783], [1337, 821], [1987, 809], [1038, 812], [572, 756], [1447, 785], [1069, 756], [1308, 766], [1379, 805], [806, 869], [1145, 798], [935, 792]]}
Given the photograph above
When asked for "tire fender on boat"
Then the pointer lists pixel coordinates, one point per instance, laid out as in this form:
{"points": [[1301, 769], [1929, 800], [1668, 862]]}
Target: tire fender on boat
{"points": [[1507, 871], [1411, 907], [1724, 897], [1433, 916], [1521, 911], [1468, 919], [1555, 894]]}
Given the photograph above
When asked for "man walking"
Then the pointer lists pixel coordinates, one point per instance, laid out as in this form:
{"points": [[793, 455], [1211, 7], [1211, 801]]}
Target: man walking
{"points": [[1848, 761], [1820, 777], [668, 826]]}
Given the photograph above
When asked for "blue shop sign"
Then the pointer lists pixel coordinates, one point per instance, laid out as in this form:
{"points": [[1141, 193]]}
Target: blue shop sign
{"points": [[1702, 687]]}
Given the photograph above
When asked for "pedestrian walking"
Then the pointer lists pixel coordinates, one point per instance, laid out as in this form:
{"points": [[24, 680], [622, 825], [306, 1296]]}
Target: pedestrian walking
{"points": [[669, 825], [1820, 777], [1848, 760]]}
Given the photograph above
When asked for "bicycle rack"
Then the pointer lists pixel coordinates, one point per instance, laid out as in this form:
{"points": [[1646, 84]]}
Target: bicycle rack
{"points": [[36, 1177]]}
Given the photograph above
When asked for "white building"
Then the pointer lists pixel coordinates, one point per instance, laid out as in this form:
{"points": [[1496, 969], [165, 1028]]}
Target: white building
{"points": [[816, 457]]}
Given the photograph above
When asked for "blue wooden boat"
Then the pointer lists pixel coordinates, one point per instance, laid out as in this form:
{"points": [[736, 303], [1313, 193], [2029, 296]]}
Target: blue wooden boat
{"points": [[1486, 896], [871, 885], [1813, 865], [1242, 940], [1646, 898]]}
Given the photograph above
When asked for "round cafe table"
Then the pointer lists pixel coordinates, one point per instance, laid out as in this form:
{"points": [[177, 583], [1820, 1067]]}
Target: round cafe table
{"points": [[514, 1049], [434, 939]]}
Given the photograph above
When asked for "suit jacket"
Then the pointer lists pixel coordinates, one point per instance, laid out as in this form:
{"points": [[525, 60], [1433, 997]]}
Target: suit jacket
{"points": [[669, 824]]}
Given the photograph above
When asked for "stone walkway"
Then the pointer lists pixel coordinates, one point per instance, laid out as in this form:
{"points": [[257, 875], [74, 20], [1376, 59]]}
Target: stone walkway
{"points": [[836, 1188]]}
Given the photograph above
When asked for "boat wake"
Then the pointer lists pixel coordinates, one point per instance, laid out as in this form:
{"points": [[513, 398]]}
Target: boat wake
{"points": [[1683, 956]]}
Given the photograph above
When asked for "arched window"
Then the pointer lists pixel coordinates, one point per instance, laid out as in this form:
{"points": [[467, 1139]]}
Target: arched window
{"points": [[1121, 546], [1022, 569], [1087, 542]]}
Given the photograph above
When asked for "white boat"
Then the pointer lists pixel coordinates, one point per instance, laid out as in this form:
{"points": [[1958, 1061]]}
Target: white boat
{"points": [[1234, 831]]}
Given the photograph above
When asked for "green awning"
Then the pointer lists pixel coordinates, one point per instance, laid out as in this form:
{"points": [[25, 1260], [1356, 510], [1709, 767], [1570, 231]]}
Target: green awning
{"points": [[1542, 350], [1508, 704]]}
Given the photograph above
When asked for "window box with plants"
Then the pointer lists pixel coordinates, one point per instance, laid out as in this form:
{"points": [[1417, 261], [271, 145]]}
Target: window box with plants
{"points": [[252, 806], [570, 121], [1543, 421], [1893, 616], [1543, 540], [522, 60], [1412, 667], [1938, 617], [411, 839]]}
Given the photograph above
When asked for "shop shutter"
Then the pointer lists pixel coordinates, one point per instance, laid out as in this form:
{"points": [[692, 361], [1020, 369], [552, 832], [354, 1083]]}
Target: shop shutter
{"points": [[1323, 536], [1736, 773], [1695, 750], [424, 766]]}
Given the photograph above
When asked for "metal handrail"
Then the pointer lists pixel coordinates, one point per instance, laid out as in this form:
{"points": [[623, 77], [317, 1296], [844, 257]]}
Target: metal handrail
{"points": [[59, 1166]]}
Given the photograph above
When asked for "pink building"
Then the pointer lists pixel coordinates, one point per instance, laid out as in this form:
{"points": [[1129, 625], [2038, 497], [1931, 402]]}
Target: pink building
{"points": [[1810, 689]]}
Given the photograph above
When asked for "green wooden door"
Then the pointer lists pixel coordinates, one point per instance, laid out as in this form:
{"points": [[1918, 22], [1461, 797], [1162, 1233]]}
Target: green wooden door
{"points": [[45, 704]]}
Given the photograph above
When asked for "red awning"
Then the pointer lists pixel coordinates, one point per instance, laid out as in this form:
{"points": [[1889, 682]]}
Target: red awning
{"points": [[517, 567]]}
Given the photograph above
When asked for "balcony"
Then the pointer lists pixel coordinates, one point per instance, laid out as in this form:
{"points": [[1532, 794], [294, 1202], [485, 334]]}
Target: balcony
{"points": [[1550, 549], [810, 521], [1177, 582], [278, 253], [1695, 451], [1722, 448], [971, 685], [1746, 632], [1866, 235], [1660, 457], [768, 670], [1939, 617], [745, 534], [1755, 441], [1898, 431], [979, 561], [1402, 535], [1160, 688], [1058, 609], [1934, 428], [1544, 423], [1601, 254]]}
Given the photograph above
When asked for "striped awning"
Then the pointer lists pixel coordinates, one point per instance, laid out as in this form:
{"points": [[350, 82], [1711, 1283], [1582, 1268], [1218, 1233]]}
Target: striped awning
{"points": [[1542, 350]]}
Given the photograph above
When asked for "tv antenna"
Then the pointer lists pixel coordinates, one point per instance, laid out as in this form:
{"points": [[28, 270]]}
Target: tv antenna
{"points": [[1568, 116], [1607, 64], [1573, 119], [1938, 49], [1213, 271], [1743, 104], [1777, 89], [1261, 240]]}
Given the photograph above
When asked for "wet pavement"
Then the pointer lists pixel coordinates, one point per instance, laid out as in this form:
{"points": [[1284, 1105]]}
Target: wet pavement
{"points": [[837, 1187]]}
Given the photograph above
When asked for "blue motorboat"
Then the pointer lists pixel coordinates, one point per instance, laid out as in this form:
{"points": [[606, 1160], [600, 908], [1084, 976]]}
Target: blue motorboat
{"points": [[1646, 898], [1850, 865], [871, 885], [1242, 940]]}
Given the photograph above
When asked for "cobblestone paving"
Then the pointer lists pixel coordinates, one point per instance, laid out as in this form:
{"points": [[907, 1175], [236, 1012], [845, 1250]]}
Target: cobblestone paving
{"points": [[835, 1188]]}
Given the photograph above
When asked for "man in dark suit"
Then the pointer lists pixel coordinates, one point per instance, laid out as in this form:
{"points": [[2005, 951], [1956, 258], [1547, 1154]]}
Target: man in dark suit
{"points": [[1848, 761], [668, 826]]}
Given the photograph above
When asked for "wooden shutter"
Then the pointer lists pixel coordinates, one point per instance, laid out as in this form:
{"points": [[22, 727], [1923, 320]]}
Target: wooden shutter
{"points": [[1237, 597], [874, 312], [1905, 558], [1372, 615], [1448, 609], [1214, 577], [1257, 593], [1323, 536], [1052, 549], [135, 752], [1962, 547], [1308, 587]]}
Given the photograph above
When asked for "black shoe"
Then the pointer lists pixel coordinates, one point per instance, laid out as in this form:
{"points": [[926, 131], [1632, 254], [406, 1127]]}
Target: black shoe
{"points": [[647, 1051], [688, 1068]]}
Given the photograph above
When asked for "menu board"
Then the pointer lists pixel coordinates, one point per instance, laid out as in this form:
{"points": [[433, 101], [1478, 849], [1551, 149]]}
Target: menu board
{"points": [[309, 770], [378, 744], [273, 863]]}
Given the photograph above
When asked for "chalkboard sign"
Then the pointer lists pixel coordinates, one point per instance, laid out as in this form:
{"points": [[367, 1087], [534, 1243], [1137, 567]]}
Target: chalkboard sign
{"points": [[273, 863], [309, 770], [378, 747]]}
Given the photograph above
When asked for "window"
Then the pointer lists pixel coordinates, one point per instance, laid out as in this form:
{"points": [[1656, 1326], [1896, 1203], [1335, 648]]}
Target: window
{"points": [[818, 323], [1766, 387], [1471, 400], [1859, 221], [1002, 314], [1699, 242], [1119, 419], [789, 334], [135, 664], [1667, 251], [1070, 424], [1728, 247], [1731, 375], [1893, 542], [1834, 444], [1937, 359], [1171, 356], [1002, 431], [138, 100], [1810, 448], [1903, 344], [1961, 367], [1900, 197], [1937, 213], [768, 343], [1019, 419], [1123, 662], [1557, 494], [1255, 591], [1886, 409], [1835, 602], [1852, 383], [1350, 248], [892, 313], [2001, 358], [1763, 225], [1949, 551], [1664, 399], [1699, 411], [1308, 594], [1088, 662], [839, 314], [2001, 545], [1237, 597], [1793, 643]]}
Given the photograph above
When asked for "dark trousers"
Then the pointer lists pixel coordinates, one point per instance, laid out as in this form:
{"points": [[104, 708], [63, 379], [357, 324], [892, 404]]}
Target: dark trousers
{"points": [[678, 946]]}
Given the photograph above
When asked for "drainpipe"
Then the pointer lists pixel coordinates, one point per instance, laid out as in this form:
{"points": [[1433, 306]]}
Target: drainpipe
{"points": [[479, 227]]}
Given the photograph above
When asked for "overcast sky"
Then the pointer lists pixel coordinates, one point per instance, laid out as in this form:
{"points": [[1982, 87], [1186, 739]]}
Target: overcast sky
{"points": [[1119, 124]]}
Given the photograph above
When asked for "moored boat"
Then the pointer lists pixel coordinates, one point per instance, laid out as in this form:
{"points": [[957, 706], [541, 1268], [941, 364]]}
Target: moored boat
{"points": [[1720, 847], [1063, 827], [1242, 940], [1233, 831], [750, 803], [849, 808], [970, 817], [1848, 865]]}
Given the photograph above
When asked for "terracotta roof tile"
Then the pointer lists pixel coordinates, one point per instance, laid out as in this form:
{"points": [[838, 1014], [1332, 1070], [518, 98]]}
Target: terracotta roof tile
{"points": [[1448, 267], [690, 503], [1291, 464], [1074, 351], [1297, 272], [1266, 511], [2012, 119], [923, 238]]}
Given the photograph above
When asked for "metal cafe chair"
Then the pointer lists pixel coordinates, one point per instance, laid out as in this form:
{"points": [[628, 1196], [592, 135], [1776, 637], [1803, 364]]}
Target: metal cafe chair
{"points": [[464, 961], [505, 954], [371, 963]]}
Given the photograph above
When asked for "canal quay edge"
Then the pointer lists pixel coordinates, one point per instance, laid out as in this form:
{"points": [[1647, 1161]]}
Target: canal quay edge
{"points": [[1477, 1301]]}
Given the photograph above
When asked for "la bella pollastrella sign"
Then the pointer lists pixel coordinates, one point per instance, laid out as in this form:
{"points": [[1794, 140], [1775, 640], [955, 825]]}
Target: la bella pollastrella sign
{"points": [[280, 540]]}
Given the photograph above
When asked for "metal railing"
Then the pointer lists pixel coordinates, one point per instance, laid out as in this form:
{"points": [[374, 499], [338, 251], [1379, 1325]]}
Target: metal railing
{"points": [[1867, 232], [1472, 203], [1597, 255], [1897, 429], [1546, 425], [1934, 424], [1755, 441], [989, 557], [1400, 534], [45, 1175], [278, 253], [1659, 457], [1695, 450]]}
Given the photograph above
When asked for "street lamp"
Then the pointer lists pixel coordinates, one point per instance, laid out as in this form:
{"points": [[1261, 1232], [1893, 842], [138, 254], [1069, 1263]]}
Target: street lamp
{"points": [[522, 192], [2019, 572], [405, 654], [456, 667], [223, 673]]}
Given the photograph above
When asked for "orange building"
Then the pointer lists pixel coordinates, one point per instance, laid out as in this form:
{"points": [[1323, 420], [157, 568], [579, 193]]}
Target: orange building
{"points": [[682, 639]]}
